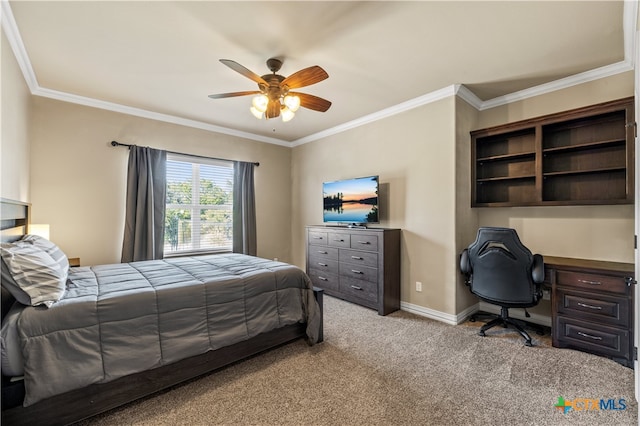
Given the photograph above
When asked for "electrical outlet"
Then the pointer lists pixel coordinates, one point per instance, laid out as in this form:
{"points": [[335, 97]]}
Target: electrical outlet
{"points": [[418, 286], [275, 258], [546, 295]]}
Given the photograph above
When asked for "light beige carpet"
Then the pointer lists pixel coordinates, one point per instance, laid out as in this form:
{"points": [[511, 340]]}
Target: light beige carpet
{"points": [[395, 370]]}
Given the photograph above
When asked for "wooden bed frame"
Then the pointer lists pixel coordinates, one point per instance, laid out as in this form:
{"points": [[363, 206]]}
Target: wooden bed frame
{"points": [[82, 403]]}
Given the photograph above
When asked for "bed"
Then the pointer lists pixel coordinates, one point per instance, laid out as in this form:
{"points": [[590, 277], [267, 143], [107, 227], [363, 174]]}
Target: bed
{"points": [[115, 333]]}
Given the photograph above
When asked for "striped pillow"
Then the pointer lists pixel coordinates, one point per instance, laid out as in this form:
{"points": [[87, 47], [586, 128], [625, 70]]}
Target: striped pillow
{"points": [[50, 248], [36, 278]]}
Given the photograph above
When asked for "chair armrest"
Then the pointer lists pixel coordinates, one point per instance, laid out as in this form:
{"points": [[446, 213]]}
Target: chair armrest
{"points": [[465, 266], [537, 270]]}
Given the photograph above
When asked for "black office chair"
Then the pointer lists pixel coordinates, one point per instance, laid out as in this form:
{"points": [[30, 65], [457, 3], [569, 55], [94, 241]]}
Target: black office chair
{"points": [[500, 270]]}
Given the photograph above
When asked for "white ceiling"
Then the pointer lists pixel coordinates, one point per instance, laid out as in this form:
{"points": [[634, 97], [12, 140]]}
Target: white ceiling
{"points": [[161, 59]]}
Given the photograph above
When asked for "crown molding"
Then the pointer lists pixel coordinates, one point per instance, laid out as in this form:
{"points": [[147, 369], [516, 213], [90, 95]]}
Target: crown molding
{"points": [[630, 15], [387, 112], [138, 112], [560, 84], [10, 28]]}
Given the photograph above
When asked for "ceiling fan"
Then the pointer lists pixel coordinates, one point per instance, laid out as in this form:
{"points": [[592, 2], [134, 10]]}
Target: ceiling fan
{"points": [[274, 97]]}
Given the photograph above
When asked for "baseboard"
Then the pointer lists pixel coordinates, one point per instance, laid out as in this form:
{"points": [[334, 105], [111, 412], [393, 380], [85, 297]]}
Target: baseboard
{"points": [[437, 315], [462, 316], [516, 313]]}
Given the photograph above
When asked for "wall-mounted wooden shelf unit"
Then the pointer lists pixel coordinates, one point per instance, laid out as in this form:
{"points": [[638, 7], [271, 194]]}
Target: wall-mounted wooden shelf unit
{"points": [[578, 157]]}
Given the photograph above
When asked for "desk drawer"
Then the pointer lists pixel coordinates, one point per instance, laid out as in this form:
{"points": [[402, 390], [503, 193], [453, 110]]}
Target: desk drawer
{"points": [[592, 282], [603, 309], [591, 337]]}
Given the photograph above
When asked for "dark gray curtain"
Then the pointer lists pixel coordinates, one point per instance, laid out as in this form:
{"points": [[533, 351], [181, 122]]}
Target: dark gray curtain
{"points": [[244, 209], [145, 206]]}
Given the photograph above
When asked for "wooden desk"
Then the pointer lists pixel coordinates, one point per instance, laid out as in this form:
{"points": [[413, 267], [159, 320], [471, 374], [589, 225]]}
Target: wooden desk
{"points": [[592, 306]]}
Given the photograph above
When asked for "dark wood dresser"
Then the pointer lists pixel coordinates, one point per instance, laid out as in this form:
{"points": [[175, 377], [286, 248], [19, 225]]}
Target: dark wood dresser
{"points": [[592, 306], [358, 265]]}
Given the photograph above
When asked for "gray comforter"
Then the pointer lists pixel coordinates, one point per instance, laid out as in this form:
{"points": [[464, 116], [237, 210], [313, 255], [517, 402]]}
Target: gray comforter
{"points": [[120, 319]]}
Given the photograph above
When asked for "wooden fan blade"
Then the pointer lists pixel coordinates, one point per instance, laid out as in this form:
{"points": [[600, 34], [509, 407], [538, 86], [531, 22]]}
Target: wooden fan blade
{"points": [[305, 77], [232, 94], [273, 109], [312, 102], [244, 71]]}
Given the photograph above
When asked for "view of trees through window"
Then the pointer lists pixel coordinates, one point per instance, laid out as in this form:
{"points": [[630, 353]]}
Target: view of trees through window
{"points": [[199, 206]]}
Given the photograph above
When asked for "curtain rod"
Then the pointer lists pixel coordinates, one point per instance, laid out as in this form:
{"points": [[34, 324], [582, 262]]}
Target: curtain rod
{"points": [[116, 143]]}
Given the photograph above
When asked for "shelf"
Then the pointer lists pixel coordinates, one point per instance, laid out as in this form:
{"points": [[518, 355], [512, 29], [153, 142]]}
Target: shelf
{"points": [[504, 157], [505, 178], [584, 146], [584, 172], [583, 156]]}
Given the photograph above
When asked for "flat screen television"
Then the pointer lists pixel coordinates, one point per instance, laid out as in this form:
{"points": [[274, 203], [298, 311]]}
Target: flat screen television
{"points": [[351, 201]]}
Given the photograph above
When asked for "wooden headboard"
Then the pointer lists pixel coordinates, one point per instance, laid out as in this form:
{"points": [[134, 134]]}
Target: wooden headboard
{"points": [[15, 218]]}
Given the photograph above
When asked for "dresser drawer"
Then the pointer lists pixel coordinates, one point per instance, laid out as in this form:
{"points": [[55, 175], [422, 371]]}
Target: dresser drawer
{"points": [[359, 272], [364, 242], [325, 252], [361, 289], [359, 257], [602, 309], [323, 264], [592, 282], [339, 240], [318, 238], [594, 338], [324, 279]]}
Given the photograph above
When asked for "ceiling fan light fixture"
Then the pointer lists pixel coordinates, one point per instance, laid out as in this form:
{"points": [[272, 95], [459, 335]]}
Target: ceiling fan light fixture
{"points": [[287, 114], [260, 103], [292, 102], [256, 113]]}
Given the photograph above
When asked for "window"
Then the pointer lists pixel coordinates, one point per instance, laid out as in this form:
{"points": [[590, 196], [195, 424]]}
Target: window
{"points": [[199, 205]]}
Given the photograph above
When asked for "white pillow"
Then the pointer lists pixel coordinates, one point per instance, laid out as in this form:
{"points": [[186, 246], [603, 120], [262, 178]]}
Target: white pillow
{"points": [[35, 273]]}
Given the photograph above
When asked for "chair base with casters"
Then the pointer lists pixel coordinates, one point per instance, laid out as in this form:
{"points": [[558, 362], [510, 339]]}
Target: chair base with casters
{"points": [[506, 321], [540, 330]]}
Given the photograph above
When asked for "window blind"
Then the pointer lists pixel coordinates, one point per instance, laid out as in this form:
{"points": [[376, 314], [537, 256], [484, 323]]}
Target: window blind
{"points": [[199, 205]]}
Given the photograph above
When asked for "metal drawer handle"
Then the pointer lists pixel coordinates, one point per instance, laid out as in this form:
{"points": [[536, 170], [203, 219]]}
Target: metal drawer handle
{"points": [[355, 287], [322, 264], [317, 238], [590, 282], [589, 306], [589, 336], [322, 278], [355, 271], [340, 241], [364, 242], [356, 257], [322, 252]]}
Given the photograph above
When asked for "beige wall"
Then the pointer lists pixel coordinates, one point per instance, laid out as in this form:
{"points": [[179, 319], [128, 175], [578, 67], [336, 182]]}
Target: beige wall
{"points": [[15, 114], [414, 153], [590, 232], [78, 179], [466, 217]]}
